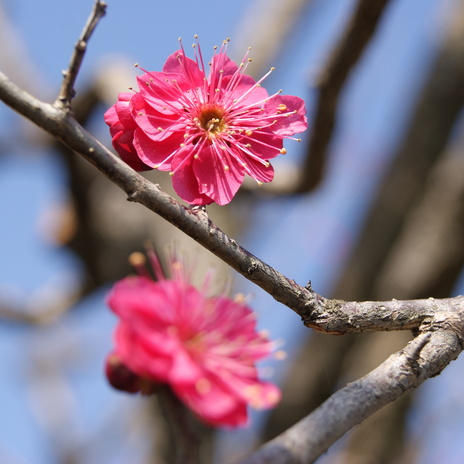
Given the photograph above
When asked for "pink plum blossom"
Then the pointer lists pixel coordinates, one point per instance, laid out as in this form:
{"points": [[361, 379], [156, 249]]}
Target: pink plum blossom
{"points": [[207, 127], [203, 347]]}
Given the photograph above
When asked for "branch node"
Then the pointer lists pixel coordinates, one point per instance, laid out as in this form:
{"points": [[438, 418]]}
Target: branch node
{"points": [[414, 349], [132, 196]]}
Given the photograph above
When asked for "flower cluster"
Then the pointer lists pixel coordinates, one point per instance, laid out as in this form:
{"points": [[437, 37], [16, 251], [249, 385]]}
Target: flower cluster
{"points": [[207, 129], [204, 347]]}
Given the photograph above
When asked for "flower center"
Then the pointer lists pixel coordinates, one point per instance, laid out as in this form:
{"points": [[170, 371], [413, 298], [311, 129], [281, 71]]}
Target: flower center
{"points": [[211, 119]]}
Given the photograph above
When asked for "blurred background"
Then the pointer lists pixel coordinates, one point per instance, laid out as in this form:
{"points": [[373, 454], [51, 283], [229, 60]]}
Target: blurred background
{"points": [[370, 205]]}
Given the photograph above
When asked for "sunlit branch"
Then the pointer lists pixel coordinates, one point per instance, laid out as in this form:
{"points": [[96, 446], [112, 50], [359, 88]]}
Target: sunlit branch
{"points": [[438, 323], [331, 316], [424, 357], [67, 91]]}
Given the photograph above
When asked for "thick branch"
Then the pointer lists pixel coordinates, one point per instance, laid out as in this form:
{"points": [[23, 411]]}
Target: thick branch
{"points": [[424, 357], [344, 317]]}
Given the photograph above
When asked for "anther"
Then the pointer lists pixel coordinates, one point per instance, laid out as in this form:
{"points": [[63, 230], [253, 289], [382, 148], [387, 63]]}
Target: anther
{"points": [[137, 259]]}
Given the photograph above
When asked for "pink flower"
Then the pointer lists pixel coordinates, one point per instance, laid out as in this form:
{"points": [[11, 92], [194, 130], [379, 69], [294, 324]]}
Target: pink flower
{"points": [[205, 348], [207, 129]]}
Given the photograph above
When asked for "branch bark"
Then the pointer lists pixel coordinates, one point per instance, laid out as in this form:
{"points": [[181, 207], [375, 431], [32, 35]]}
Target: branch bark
{"points": [[344, 57], [69, 76], [317, 312], [424, 357]]}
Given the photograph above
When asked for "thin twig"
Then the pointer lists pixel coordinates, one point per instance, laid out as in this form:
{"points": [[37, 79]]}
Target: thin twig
{"points": [[331, 81], [67, 91]]}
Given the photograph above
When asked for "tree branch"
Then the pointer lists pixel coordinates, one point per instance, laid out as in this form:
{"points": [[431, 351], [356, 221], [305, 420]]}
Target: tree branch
{"points": [[331, 81], [67, 91], [424, 357], [438, 323], [434, 118], [192, 221], [317, 312]]}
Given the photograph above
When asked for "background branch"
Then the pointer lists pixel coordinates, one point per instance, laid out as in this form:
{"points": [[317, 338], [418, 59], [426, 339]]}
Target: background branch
{"points": [[440, 104], [344, 57]]}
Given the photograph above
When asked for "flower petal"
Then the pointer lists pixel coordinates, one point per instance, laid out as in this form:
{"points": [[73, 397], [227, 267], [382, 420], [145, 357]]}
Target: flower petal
{"points": [[184, 179], [294, 120], [123, 143], [156, 154], [178, 63], [164, 91], [157, 126], [213, 403], [235, 89], [219, 175]]}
